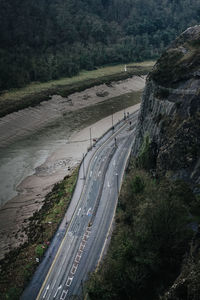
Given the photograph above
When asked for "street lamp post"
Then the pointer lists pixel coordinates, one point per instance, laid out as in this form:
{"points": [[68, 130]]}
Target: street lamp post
{"points": [[83, 167], [82, 288], [117, 176], [115, 142], [91, 137], [112, 119]]}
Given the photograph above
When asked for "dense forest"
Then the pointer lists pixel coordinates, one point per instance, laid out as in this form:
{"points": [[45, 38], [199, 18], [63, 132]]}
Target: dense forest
{"points": [[42, 40]]}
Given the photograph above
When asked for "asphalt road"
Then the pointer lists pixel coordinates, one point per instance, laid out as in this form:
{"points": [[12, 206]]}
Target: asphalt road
{"points": [[83, 240]]}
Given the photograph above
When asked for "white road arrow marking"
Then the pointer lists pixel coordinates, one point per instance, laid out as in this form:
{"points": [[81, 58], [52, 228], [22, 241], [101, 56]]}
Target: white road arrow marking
{"points": [[89, 211], [57, 291], [91, 174], [108, 184], [46, 292], [99, 173], [79, 212]]}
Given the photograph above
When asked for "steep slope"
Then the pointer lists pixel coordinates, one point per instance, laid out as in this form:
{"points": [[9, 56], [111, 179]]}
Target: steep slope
{"points": [[168, 139], [170, 112], [154, 251]]}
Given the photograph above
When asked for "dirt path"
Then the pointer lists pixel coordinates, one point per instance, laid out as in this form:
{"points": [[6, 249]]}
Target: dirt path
{"points": [[55, 163]]}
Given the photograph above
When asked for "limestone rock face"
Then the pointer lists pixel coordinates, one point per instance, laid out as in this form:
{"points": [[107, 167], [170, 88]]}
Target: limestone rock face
{"points": [[170, 110]]}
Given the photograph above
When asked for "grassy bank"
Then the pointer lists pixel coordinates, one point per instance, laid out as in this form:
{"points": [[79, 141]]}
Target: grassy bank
{"points": [[91, 114], [19, 265], [35, 93], [151, 237]]}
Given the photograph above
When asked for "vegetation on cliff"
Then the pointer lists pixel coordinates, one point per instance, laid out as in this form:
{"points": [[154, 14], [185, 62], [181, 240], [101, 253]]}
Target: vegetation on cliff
{"points": [[174, 109], [154, 252], [41, 40], [151, 237], [180, 61]]}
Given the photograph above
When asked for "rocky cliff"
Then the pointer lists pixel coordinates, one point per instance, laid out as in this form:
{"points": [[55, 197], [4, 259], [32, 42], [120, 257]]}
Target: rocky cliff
{"points": [[170, 111], [168, 137]]}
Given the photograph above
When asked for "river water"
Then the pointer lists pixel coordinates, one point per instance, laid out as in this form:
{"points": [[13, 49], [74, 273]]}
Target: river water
{"points": [[30, 136], [21, 159], [39, 145]]}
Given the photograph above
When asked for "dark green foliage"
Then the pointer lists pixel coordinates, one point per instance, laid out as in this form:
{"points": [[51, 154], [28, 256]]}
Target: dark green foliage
{"points": [[162, 93], [12, 105], [19, 265], [137, 185], [148, 244], [147, 156], [13, 293], [184, 147], [42, 40], [175, 65], [169, 68], [143, 158]]}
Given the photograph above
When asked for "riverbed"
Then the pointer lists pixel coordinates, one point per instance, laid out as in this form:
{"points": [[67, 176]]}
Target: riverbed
{"points": [[40, 146]]}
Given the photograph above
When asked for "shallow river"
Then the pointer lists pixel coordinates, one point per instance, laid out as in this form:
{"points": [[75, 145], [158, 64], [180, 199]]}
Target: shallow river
{"points": [[29, 137], [38, 146], [20, 159]]}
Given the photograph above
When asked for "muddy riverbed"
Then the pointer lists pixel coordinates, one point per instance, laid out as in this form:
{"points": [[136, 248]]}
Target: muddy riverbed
{"points": [[41, 145]]}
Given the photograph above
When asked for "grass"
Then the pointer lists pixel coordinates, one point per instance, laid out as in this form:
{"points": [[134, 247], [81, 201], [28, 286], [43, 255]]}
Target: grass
{"points": [[33, 94], [19, 265], [175, 65], [84, 75], [88, 115]]}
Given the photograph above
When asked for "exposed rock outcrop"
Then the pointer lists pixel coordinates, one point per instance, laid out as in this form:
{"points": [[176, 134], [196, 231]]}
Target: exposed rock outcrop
{"points": [[170, 118], [170, 110]]}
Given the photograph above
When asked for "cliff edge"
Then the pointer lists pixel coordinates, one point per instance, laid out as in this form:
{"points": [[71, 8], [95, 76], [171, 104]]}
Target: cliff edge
{"points": [[170, 112], [168, 137]]}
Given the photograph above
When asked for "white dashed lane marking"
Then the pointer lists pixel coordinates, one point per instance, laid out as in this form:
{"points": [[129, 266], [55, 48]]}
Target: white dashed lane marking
{"points": [[64, 294], [69, 281], [76, 261]]}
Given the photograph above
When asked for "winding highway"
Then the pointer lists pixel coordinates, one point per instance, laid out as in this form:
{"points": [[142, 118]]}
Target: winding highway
{"points": [[84, 239]]}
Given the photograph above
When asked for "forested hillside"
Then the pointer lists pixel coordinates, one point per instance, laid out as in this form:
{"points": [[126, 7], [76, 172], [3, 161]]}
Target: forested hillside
{"points": [[42, 40]]}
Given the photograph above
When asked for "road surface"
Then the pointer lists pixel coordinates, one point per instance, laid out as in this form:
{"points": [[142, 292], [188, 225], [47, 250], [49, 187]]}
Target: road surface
{"points": [[82, 241]]}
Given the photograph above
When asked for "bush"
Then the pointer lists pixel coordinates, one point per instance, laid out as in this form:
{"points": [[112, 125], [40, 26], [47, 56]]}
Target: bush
{"points": [[147, 155], [13, 293], [149, 242], [39, 251], [137, 185]]}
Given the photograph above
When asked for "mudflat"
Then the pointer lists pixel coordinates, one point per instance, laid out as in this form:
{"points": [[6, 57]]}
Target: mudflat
{"points": [[41, 145]]}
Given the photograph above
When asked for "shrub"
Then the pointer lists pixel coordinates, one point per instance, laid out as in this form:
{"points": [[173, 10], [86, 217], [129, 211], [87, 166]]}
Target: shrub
{"points": [[39, 251], [148, 244]]}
